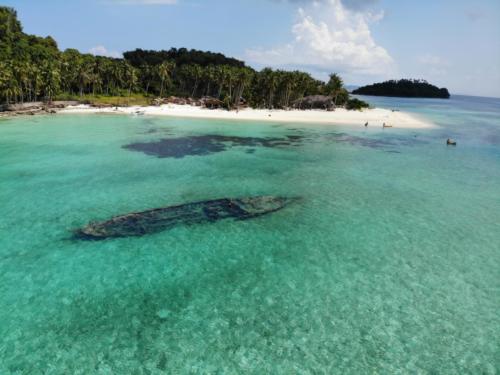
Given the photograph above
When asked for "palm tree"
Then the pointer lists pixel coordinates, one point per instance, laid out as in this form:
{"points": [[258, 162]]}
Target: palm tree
{"points": [[8, 85], [229, 77], [20, 70], [269, 83], [219, 78], [165, 71], [196, 74], [107, 73], [146, 76], [116, 75], [334, 86], [98, 73], [51, 80], [83, 74], [130, 74], [209, 76], [243, 78], [71, 61]]}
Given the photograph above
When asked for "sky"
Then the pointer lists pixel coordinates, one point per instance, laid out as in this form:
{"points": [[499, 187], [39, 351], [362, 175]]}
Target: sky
{"points": [[450, 43]]}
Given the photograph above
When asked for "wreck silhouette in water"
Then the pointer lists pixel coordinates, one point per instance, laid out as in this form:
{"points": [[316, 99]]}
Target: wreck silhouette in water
{"points": [[160, 219]]}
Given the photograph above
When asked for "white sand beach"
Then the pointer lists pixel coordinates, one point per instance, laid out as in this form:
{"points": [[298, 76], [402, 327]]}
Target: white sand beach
{"points": [[374, 116]]}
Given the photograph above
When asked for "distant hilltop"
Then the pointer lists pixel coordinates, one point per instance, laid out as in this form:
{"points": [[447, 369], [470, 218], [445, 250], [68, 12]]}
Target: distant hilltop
{"points": [[405, 88]]}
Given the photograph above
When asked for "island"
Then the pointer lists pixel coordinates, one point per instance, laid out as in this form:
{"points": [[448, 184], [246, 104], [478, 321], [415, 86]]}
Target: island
{"points": [[404, 88], [34, 70], [36, 77]]}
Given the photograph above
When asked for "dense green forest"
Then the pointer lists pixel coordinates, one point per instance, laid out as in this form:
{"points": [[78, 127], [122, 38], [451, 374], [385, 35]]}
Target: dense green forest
{"points": [[406, 88], [33, 68]]}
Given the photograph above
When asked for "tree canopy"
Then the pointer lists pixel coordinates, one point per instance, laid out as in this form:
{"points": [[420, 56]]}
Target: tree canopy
{"points": [[407, 88], [181, 56]]}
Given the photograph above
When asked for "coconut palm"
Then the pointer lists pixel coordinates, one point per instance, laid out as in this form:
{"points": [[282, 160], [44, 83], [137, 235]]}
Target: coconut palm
{"points": [[243, 78], [196, 74], [268, 84], [130, 76], [334, 86], [8, 84], [83, 75], [51, 80], [208, 75], [116, 74], [219, 78], [165, 71]]}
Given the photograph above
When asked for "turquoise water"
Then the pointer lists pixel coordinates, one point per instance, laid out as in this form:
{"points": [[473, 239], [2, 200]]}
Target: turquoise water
{"points": [[389, 264]]}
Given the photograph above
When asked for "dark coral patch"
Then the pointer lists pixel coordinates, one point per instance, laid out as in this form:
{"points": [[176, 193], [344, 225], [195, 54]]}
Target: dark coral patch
{"points": [[206, 144]]}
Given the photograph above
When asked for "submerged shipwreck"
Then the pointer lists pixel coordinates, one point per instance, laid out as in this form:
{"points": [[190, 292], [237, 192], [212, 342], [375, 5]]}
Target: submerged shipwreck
{"points": [[159, 219]]}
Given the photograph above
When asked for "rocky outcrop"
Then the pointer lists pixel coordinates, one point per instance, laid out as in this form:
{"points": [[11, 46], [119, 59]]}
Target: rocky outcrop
{"points": [[206, 101], [211, 103], [315, 102], [32, 108]]}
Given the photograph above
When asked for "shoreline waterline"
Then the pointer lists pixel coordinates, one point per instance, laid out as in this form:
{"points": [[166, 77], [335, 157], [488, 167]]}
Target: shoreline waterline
{"points": [[375, 117]]}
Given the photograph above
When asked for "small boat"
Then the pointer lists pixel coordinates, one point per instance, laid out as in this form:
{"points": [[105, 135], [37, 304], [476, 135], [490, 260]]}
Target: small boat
{"points": [[384, 125], [451, 142], [139, 113], [160, 219]]}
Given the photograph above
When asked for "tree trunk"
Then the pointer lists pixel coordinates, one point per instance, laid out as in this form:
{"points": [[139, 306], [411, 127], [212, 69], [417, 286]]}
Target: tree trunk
{"points": [[195, 87]]}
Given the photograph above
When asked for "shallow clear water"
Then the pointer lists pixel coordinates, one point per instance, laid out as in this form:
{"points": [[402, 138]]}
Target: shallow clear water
{"points": [[389, 264]]}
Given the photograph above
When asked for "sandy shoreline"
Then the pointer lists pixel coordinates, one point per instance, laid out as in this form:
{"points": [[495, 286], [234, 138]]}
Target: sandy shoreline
{"points": [[375, 117]]}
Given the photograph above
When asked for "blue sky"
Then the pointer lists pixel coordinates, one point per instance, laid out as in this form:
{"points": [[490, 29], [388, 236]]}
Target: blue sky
{"points": [[452, 43]]}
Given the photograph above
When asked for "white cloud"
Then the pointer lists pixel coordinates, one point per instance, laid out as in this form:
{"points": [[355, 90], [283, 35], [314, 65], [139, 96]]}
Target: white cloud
{"points": [[102, 51], [330, 37]]}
